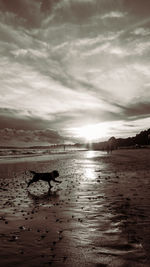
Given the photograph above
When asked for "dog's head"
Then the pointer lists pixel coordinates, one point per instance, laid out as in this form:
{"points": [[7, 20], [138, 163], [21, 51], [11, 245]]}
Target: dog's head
{"points": [[55, 173]]}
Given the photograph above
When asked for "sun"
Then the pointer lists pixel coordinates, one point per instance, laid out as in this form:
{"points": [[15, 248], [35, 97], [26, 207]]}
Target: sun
{"points": [[91, 132]]}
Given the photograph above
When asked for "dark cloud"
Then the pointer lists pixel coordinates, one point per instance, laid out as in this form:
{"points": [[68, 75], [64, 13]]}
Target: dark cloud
{"points": [[138, 109], [25, 137], [47, 5], [129, 125], [27, 13], [137, 7], [16, 6], [81, 11], [32, 12], [15, 119]]}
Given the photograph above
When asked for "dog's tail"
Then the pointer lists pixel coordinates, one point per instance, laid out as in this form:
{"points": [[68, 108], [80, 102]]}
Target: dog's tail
{"points": [[33, 172]]}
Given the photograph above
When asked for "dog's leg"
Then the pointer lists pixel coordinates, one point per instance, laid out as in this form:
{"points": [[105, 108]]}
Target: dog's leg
{"points": [[30, 182], [33, 180], [50, 186]]}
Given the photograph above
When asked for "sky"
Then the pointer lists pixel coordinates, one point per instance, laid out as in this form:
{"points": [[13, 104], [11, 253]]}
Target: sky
{"points": [[73, 69]]}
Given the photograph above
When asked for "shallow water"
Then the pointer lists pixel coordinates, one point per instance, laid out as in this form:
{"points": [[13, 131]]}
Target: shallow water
{"points": [[98, 216]]}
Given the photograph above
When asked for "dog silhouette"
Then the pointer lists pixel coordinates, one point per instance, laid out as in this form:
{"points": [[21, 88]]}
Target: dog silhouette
{"points": [[45, 176]]}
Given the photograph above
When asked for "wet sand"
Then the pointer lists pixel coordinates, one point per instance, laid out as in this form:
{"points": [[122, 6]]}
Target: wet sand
{"points": [[98, 216]]}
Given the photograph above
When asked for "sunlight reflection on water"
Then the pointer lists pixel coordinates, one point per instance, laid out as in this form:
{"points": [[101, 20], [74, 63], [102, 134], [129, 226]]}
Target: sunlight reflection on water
{"points": [[91, 153], [89, 173], [90, 165]]}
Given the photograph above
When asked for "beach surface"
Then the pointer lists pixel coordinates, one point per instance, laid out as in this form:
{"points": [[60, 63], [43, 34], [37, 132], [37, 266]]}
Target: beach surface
{"points": [[99, 215]]}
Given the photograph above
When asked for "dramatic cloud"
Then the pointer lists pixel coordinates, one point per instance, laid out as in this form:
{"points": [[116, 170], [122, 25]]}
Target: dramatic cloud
{"points": [[69, 63], [28, 138]]}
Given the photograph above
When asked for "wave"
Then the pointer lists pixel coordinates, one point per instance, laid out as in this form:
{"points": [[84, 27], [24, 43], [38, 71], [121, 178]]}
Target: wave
{"points": [[29, 152]]}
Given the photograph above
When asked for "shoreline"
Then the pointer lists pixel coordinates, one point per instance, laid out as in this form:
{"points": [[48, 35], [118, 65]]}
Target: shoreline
{"points": [[22, 157]]}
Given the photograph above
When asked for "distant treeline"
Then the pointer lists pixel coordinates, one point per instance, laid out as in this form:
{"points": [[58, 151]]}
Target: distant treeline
{"points": [[141, 139]]}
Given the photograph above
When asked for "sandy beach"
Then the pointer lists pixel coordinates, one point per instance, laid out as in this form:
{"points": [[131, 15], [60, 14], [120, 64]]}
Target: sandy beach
{"points": [[98, 216]]}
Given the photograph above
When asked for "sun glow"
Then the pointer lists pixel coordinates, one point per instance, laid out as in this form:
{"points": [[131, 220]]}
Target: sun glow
{"points": [[92, 132]]}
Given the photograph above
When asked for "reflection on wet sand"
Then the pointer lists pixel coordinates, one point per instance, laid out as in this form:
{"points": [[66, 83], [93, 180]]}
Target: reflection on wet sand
{"points": [[89, 173], [98, 216], [44, 198]]}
